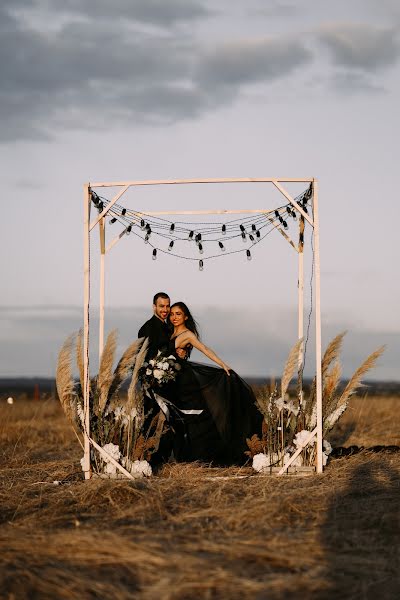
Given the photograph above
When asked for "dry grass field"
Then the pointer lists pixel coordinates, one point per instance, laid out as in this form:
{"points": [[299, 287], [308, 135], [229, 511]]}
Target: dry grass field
{"points": [[185, 534]]}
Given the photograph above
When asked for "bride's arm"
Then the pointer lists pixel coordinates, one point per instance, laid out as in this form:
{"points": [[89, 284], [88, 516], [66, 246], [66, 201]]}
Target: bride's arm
{"points": [[190, 338]]}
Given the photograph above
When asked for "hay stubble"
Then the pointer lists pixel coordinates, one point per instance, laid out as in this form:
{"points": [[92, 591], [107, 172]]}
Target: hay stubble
{"points": [[185, 534]]}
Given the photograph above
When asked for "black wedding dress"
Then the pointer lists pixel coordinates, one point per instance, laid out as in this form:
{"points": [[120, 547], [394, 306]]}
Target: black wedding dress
{"points": [[229, 415]]}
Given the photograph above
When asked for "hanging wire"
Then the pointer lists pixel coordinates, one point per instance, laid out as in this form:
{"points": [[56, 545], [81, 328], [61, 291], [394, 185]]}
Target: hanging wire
{"points": [[251, 229]]}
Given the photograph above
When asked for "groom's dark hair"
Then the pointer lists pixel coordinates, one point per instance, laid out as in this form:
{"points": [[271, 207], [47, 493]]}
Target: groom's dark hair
{"points": [[160, 295]]}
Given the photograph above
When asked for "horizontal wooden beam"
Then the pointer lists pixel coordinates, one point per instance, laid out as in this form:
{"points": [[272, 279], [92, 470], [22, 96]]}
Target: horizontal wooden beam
{"points": [[200, 212], [186, 181]]}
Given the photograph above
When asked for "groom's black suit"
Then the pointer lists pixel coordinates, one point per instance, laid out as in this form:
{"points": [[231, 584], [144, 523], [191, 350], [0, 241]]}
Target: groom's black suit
{"points": [[158, 333]]}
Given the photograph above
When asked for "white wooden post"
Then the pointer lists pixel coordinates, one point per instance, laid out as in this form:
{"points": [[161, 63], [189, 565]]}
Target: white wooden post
{"points": [[86, 302], [300, 302], [102, 225], [318, 352]]}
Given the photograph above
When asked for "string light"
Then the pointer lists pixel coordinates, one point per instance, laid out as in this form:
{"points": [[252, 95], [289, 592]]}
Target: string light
{"points": [[252, 229], [201, 265]]}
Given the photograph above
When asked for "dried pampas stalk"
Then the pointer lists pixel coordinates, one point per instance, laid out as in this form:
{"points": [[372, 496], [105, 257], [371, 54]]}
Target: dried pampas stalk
{"points": [[64, 380], [79, 356], [290, 367], [355, 381], [332, 380], [331, 353], [330, 421], [125, 365], [135, 397], [106, 375]]}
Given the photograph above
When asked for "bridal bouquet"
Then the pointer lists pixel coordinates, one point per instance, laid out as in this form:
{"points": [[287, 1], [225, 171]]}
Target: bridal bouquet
{"points": [[159, 370]]}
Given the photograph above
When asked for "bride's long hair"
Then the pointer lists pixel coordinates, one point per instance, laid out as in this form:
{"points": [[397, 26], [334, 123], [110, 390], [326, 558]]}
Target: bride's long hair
{"points": [[190, 321]]}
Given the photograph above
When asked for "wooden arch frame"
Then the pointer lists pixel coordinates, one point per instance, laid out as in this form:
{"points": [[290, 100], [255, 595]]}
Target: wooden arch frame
{"points": [[313, 221]]}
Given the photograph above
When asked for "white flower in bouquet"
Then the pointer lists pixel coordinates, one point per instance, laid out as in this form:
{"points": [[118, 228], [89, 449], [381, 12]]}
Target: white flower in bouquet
{"points": [[160, 365], [158, 374], [152, 362], [137, 468], [171, 357], [165, 366], [261, 462], [141, 468], [148, 371], [113, 451], [301, 437]]}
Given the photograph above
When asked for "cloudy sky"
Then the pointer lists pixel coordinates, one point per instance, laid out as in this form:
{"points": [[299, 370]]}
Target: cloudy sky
{"points": [[162, 89]]}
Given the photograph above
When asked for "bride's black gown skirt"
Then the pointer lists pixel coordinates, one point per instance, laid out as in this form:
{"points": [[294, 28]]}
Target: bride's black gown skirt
{"points": [[228, 417]]}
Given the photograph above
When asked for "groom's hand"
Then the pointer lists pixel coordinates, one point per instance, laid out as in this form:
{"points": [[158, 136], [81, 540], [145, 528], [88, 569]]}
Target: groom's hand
{"points": [[181, 352]]}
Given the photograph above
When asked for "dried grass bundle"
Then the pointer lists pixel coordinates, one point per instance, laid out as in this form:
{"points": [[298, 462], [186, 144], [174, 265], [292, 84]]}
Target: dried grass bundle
{"points": [[106, 375], [64, 379], [79, 356], [331, 354], [290, 366], [355, 381], [125, 365], [331, 383]]}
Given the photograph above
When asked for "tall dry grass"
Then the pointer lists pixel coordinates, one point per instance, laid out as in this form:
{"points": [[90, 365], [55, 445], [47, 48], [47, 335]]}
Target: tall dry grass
{"points": [[185, 534]]}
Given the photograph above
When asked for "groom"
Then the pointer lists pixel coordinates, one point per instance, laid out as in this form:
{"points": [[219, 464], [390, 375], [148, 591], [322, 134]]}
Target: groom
{"points": [[156, 328], [158, 332]]}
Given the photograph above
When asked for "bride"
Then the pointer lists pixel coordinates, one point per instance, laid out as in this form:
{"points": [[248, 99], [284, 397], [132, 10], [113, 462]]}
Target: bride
{"points": [[217, 407]]}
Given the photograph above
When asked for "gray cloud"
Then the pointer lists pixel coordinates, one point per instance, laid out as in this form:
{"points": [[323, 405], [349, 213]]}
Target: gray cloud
{"points": [[78, 76], [360, 46], [153, 12], [250, 61], [348, 83], [85, 70], [277, 8]]}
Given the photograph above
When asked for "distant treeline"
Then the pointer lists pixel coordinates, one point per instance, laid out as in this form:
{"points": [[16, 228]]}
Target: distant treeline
{"points": [[41, 386]]}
